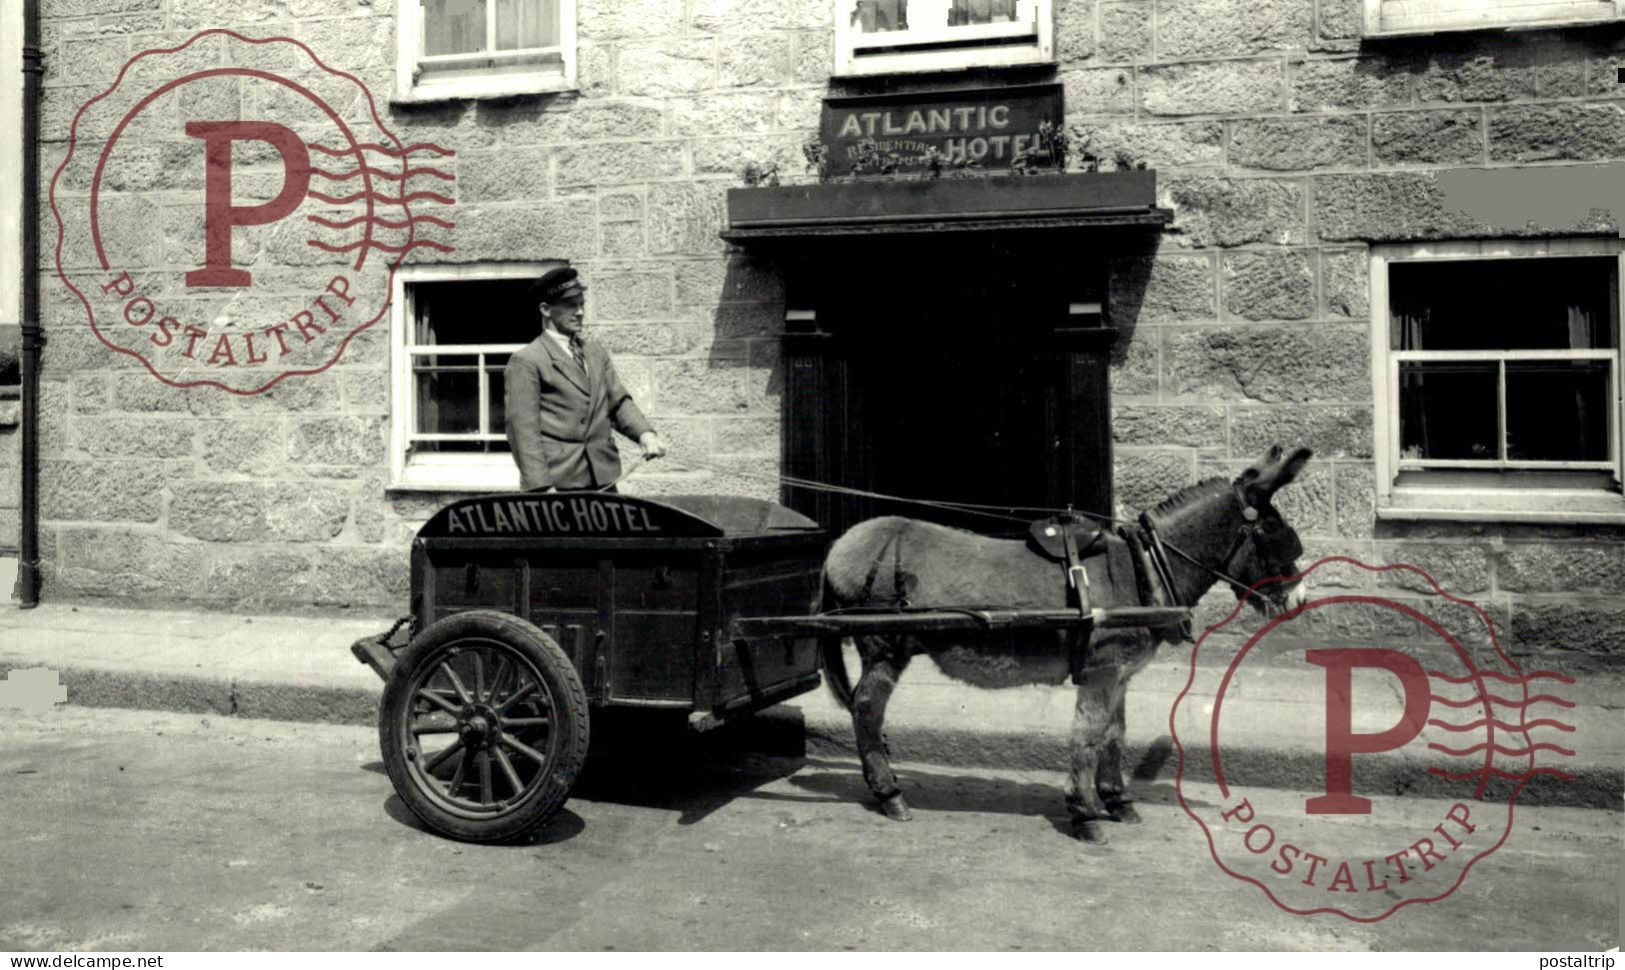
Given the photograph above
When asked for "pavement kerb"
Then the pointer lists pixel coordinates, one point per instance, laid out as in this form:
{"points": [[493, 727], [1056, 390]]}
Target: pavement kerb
{"points": [[300, 669]]}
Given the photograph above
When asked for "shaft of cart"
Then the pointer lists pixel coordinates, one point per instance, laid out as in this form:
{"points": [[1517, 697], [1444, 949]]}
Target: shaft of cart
{"points": [[948, 620]]}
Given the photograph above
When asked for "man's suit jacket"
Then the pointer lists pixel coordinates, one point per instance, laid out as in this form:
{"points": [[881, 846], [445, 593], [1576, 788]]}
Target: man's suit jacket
{"points": [[559, 417]]}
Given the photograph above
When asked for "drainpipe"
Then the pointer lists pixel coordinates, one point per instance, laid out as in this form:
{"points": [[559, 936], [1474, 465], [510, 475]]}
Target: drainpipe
{"points": [[27, 591]]}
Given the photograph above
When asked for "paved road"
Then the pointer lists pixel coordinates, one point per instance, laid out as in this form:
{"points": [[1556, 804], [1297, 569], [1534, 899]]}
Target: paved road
{"points": [[142, 831]]}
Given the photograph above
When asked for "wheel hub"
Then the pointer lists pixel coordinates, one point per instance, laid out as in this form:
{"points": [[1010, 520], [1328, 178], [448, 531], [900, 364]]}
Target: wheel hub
{"points": [[479, 726]]}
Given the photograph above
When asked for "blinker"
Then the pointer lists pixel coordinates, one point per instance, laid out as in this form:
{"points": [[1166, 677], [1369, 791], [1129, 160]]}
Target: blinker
{"points": [[1277, 543]]}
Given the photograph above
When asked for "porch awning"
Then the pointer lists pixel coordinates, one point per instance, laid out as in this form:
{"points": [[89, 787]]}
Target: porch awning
{"points": [[982, 203]]}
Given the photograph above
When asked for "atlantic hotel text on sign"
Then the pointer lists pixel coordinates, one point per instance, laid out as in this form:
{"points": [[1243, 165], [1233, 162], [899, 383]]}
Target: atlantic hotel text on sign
{"points": [[986, 127]]}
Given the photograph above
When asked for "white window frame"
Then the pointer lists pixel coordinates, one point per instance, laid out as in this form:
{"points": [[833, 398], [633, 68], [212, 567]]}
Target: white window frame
{"points": [[409, 44], [850, 61], [442, 472], [1452, 495], [1402, 18]]}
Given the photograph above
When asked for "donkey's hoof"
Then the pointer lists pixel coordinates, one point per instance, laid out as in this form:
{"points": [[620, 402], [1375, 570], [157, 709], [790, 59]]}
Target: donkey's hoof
{"points": [[1124, 812], [1089, 830], [896, 809]]}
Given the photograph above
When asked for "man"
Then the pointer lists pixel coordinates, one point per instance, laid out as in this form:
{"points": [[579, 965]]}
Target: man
{"points": [[562, 397]]}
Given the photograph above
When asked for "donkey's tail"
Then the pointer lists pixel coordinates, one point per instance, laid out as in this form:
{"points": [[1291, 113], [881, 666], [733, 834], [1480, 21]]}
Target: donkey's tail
{"points": [[832, 657]]}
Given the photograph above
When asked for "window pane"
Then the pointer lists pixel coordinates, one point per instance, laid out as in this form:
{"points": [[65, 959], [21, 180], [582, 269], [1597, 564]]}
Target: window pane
{"points": [[448, 393], [876, 16], [494, 386], [1503, 304], [475, 312], [1557, 410], [453, 26], [981, 12], [1448, 410]]}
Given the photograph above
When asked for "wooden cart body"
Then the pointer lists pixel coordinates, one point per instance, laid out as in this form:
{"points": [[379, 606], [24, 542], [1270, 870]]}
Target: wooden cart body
{"points": [[641, 594]]}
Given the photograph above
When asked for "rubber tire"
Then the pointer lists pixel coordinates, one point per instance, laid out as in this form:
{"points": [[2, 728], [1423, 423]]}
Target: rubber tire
{"points": [[571, 721]]}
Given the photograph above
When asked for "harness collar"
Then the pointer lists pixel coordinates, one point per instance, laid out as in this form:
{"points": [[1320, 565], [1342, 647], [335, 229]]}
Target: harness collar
{"points": [[1159, 573], [1250, 528]]}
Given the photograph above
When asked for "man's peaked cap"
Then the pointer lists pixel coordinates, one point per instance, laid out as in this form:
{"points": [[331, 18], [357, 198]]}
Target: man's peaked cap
{"points": [[556, 284]]}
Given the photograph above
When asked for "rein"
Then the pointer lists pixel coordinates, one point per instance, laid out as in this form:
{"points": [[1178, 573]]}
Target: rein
{"points": [[1154, 544]]}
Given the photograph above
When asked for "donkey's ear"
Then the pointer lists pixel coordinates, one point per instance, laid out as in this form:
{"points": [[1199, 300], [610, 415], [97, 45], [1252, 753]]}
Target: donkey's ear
{"points": [[1277, 476]]}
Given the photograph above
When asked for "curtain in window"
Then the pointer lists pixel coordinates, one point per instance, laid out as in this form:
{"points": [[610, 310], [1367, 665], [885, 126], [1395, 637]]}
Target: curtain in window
{"points": [[453, 26], [425, 382], [1408, 321], [981, 12], [1582, 336], [880, 15]]}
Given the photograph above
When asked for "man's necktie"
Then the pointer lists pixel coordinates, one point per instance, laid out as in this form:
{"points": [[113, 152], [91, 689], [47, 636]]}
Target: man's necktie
{"points": [[577, 352]]}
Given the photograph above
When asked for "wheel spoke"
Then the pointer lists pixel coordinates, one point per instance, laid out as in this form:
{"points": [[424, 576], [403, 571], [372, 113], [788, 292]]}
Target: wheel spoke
{"points": [[457, 776], [515, 697], [504, 667], [440, 758], [507, 769], [439, 701], [435, 729], [484, 760], [456, 682], [479, 677], [522, 748], [512, 722]]}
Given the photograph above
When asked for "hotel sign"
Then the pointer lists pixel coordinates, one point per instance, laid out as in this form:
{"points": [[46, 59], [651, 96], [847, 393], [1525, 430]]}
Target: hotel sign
{"points": [[988, 126]]}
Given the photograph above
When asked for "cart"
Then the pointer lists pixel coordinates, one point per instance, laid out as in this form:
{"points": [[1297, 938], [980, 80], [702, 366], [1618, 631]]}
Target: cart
{"points": [[532, 613]]}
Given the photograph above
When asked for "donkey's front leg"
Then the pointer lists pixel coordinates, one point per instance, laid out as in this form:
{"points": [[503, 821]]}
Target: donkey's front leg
{"points": [[1091, 725], [1109, 776], [883, 663]]}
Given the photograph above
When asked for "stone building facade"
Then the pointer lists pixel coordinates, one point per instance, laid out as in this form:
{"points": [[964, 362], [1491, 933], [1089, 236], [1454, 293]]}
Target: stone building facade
{"points": [[1287, 145]]}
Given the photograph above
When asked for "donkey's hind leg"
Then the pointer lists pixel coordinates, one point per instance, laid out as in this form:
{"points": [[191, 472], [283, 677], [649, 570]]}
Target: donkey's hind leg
{"points": [[883, 661], [1109, 777]]}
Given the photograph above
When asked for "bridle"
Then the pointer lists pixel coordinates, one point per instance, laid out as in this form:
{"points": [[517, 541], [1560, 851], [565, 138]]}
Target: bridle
{"points": [[1274, 545]]}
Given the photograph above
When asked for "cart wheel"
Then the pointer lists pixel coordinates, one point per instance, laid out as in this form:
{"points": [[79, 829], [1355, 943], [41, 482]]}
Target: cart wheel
{"points": [[484, 726]]}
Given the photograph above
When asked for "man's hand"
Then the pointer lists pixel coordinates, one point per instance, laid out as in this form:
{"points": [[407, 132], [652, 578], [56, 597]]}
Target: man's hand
{"points": [[653, 447]]}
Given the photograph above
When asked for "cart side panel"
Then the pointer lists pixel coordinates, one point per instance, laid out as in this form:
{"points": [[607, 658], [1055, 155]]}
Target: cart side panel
{"points": [[626, 618], [656, 626], [780, 579]]}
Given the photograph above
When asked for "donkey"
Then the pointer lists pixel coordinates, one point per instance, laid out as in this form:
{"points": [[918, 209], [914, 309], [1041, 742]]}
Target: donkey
{"points": [[1216, 530]]}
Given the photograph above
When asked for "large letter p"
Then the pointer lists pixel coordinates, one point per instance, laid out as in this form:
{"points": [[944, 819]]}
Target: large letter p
{"points": [[1342, 744], [219, 215]]}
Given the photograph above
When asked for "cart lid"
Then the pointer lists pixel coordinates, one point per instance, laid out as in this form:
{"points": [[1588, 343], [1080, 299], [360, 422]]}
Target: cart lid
{"points": [[600, 515], [738, 515]]}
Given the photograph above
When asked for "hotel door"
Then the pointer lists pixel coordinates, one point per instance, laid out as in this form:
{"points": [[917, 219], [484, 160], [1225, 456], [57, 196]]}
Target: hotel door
{"points": [[971, 373]]}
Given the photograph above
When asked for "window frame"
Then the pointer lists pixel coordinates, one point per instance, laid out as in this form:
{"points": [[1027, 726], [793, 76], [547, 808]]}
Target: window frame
{"points": [[442, 471], [409, 40], [918, 61], [1452, 494], [1489, 15]]}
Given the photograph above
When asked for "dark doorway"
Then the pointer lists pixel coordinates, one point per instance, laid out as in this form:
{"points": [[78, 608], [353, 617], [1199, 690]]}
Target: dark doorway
{"points": [[952, 370]]}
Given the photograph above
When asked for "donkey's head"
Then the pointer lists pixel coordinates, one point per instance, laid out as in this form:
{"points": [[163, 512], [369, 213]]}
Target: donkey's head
{"points": [[1265, 546], [1231, 532]]}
